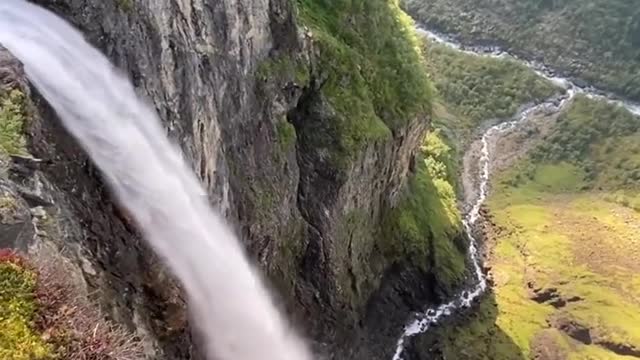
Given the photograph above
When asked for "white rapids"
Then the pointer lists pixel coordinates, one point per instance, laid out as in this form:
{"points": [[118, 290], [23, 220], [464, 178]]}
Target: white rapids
{"points": [[123, 136], [422, 322]]}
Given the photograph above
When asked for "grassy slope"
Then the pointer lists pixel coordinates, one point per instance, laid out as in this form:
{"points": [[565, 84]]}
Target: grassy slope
{"points": [[19, 339], [556, 227], [597, 39]]}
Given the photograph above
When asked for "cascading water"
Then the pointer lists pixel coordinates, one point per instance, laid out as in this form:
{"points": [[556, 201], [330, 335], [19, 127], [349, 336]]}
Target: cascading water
{"points": [[432, 316], [124, 138]]}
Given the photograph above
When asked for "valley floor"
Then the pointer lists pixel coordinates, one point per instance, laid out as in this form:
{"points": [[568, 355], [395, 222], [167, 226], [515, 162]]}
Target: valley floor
{"points": [[566, 280]]}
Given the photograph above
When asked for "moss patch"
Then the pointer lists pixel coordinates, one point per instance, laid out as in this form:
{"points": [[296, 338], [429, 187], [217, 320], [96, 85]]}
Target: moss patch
{"points": [[124, 5], [19, 339], [12, 118], [283, 67], [286, 133]]}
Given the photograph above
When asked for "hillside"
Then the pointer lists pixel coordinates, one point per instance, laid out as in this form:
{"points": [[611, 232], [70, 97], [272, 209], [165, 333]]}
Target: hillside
{"points": [[563, 246], [597, 41], [474, 92]]}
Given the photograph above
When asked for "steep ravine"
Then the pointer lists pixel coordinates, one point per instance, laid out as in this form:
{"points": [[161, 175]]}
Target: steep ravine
{"points": [[310, 223], [479, 163]]}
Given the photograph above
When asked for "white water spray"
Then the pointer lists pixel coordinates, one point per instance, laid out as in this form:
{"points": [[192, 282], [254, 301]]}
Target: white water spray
{"points": [[432, 316], [124, 138]]}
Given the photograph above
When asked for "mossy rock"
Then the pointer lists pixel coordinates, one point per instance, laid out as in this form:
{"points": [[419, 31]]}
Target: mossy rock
{"points": [[426, 226]]}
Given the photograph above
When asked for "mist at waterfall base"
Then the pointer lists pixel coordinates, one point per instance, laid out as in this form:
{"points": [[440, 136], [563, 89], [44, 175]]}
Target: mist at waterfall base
{"points": [[124, 138], [464, 299]]}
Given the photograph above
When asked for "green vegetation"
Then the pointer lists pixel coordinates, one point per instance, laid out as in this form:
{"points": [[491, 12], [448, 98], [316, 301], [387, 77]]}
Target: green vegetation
{"points": [[576, 246], [44, 315], [597, 40], [283, 67], [472, 90], [370, 58], [12, 119], [600, 138], [125, 5], [565, 252], [286, 134], [478, 89], [423, 225], [19, 339]]}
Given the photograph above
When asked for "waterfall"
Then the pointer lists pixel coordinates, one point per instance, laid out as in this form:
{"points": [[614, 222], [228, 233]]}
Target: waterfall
{"points": [[123, 136]]}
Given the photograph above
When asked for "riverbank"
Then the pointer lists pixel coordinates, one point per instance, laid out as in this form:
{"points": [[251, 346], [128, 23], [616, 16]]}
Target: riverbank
{"points": [[561, 261]]}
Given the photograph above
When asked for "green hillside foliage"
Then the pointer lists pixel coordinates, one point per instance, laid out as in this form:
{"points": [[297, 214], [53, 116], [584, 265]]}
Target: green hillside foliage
{"points": [[483, 88], [597, 40], [563, 224], [369, 54], [600, 138], [422, 227], [472, 90]]}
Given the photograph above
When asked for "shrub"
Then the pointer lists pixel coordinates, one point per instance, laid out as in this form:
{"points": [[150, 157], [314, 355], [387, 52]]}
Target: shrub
{"points": [[11, 122], [19, 339], [72, 323], [44, 315]]}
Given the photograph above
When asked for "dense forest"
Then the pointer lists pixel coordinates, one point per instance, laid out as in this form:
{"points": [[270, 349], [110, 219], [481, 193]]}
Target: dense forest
{"points": [[474, 90], [597, 41]]}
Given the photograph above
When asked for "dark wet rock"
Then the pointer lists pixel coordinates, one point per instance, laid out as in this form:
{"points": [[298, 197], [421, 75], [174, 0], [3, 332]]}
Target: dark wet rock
{"points": [[573, 328], [551, 296], [558, 303], [16, 230], [27, 162], [621, 349], [580, 83], [543, 295]]}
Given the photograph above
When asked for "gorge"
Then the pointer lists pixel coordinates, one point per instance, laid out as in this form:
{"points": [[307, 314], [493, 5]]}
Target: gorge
{"points": [[556, 104]]}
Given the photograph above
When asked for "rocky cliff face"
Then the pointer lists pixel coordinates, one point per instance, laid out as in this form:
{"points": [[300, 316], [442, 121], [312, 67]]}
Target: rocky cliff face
{"points": [[256, 130]]}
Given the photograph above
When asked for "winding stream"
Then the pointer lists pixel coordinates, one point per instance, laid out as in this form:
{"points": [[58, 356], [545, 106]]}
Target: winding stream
{"points": [[422, 322]]}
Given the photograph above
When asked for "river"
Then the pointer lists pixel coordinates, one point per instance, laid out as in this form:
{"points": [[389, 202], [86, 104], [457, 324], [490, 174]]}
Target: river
{"points": [[422, 322]]}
